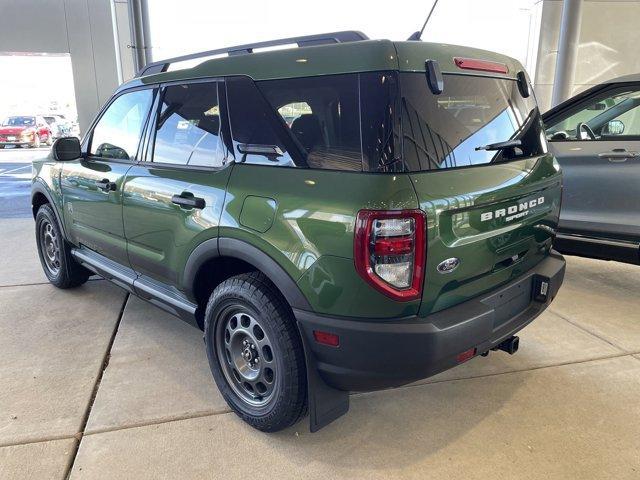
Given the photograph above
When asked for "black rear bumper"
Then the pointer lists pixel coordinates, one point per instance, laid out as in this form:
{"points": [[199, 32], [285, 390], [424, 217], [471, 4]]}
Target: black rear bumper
{"points": [[377, 354]]}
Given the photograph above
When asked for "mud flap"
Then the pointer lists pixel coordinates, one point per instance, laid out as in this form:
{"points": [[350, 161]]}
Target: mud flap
{"points": [[326, 403]]}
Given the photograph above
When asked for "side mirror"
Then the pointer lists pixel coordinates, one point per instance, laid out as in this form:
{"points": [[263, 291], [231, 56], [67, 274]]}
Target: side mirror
{"points": [[613, 127], [66, 148]]}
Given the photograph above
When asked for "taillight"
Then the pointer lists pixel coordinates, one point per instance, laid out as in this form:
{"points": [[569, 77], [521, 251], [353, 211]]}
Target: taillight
{"points": [[390, 251]]}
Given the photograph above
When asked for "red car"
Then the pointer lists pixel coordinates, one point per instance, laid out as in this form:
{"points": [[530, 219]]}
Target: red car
{"points": [[31, 131]]}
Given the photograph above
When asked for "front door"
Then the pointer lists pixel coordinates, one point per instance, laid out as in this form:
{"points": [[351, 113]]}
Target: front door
{"points": [[173, 200], [597, 143], [92, 185]]}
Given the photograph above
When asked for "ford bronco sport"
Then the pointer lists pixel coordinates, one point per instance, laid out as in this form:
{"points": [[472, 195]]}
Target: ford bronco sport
{"points": [[343, 215]]}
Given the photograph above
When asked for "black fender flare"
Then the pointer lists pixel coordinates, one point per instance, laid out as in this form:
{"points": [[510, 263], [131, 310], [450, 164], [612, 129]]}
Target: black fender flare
{"points": [[40, 187], [234, 248]]}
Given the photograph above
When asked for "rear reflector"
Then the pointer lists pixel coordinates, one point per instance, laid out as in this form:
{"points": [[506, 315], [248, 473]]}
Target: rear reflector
{"points": [[467, 355], [326, 338], [480, 65]]}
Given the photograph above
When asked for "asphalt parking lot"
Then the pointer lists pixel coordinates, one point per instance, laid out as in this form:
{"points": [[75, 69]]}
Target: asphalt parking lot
{"points": [[97, 384], [15, 176]]}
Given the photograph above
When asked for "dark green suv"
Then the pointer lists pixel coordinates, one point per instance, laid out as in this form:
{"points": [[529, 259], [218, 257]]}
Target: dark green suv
{"points": [[342, 215]]}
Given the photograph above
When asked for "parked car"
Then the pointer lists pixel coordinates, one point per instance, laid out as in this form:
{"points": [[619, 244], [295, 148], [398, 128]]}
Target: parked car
{"points": [[59, 126], [596, 138], [401, 225], [28, 130]]}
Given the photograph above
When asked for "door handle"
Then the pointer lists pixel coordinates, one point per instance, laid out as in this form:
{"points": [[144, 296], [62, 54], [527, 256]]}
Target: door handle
{"points": [[105, 185], [618, 155], [188, 200]]}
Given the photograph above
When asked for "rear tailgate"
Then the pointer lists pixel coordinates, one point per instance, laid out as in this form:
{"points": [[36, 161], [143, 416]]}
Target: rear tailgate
{"points": [[496, 220], [479, 164]]}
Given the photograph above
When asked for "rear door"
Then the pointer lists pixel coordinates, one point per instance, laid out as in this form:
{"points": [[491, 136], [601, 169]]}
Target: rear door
{"points": [[173, 200], [92, 185], [492, 213], [596, 139]]}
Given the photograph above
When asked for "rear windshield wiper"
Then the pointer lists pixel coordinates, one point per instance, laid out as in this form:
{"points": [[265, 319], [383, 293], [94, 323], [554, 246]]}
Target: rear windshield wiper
{"points": [[501, 145]]}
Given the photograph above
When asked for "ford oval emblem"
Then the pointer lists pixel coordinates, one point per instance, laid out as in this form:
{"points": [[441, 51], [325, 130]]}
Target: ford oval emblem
{"points": [[448, 265]]}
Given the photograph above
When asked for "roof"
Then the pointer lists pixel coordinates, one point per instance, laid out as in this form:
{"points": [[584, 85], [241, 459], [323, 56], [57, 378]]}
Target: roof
{"points": [[334, 58]]}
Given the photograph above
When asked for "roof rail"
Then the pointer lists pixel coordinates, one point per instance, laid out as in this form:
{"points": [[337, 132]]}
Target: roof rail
{"points": [[306, 41]]}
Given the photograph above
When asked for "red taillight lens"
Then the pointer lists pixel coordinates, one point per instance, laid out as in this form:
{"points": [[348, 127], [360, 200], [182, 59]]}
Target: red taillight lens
{"points": [[481, 65], [390, 251], [393, 246]]}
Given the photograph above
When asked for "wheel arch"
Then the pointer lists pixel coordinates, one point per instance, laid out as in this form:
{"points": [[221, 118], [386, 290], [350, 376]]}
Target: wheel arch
{"points": [[40, 195], [225, 257]]}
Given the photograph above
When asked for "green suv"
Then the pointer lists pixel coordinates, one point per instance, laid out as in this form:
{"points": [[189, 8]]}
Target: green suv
{"points": [[341, 215]]}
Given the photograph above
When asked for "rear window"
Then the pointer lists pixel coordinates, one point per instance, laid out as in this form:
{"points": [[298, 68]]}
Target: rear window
{"points": [[446, 130]]}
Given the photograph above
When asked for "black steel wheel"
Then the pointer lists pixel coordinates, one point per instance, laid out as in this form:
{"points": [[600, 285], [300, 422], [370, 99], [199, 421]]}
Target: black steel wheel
{"points": [[247, 356], [59, 266], [255, 352], [49, 245]]}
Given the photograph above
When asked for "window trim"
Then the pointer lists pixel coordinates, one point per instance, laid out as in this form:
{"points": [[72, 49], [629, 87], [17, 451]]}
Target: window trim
{"points": [[88, 138], [146, 159]]}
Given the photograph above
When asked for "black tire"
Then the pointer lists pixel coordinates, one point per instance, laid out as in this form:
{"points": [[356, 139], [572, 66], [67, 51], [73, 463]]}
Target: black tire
{"points": [[284, 399], [59, 266]]}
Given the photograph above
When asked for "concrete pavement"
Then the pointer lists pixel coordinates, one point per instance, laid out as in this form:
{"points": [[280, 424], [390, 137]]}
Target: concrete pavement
{"points": [[123, 390]]}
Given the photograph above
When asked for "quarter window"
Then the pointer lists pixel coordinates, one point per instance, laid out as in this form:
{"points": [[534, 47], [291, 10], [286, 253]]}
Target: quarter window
{"points": [[117, 133], [188, 126], [323, 115]]}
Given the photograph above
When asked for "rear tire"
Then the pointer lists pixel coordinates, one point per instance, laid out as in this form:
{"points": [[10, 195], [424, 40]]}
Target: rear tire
{"points": [[61, 269], [255, 352]]}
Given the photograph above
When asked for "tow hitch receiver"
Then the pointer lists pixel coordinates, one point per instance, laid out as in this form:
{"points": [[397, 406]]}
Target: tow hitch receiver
{"points": [[510, 345]]}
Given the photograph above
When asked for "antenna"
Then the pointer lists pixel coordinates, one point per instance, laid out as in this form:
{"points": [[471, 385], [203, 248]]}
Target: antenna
{"points": [[416, 36]]}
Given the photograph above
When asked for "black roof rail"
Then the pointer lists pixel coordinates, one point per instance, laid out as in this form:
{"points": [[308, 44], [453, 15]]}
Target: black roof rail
{"points": [[306, 41]]}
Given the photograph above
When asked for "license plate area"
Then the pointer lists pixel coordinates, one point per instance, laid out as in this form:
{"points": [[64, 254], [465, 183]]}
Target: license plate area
{"points": [[510, 302]]}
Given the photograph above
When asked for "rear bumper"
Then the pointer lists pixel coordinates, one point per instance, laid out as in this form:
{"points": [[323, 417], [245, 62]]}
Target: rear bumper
{"points": [[377, 354]]}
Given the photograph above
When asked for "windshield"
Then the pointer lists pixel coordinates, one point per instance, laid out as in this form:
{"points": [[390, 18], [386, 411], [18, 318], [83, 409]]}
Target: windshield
{"points": [[449, 130], [19, 122]]}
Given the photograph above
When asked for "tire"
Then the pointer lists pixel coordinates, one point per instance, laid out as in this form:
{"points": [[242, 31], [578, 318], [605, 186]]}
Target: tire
{"points": [[264, 319], [62, 270]]}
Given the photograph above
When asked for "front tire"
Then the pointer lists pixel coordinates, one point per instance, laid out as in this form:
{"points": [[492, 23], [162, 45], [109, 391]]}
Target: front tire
{"points": [[61, 269], [255, 352]]}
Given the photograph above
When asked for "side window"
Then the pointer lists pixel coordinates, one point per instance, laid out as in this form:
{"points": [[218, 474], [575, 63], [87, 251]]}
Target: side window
{"points": [[188, 126], [615, 115], [323, 115], [117, 133], [259, 136]]}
